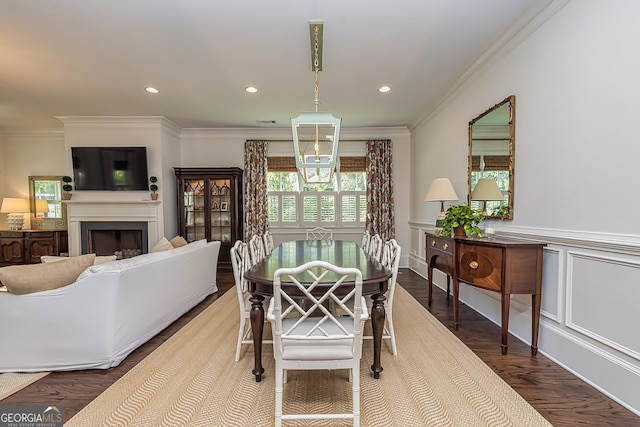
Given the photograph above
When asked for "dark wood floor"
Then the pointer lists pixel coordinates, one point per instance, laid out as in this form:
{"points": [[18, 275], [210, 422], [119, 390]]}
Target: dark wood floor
{"points": [[559, 396]]}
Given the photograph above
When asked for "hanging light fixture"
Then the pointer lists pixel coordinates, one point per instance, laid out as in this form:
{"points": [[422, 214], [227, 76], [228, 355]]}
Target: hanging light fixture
{"points": [[316, 133]]}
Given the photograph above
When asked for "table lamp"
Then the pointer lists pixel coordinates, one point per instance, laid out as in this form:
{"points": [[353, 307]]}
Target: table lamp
{"points": [[440, 190], [15, 208], [486, 189]]}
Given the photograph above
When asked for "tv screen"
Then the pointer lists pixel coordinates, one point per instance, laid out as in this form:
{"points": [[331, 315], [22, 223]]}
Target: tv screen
{"points": [[110, 168]]}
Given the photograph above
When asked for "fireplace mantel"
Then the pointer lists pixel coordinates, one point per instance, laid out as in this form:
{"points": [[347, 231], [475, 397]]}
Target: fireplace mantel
{"points": [[111, 210]]}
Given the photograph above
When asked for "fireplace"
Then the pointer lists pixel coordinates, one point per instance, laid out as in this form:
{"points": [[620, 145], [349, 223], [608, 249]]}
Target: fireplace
{"points": [[124, 239], [116, 210]]}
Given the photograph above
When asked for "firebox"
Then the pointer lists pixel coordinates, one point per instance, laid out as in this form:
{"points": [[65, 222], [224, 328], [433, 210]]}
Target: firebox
{"points": [[125, 239]]}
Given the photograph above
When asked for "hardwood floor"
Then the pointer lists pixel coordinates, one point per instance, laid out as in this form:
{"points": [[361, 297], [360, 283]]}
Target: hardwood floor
{"points": [[559, 396]]}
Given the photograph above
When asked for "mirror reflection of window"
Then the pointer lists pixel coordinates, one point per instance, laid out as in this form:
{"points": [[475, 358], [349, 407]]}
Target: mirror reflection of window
{"points": [[47, 208]]}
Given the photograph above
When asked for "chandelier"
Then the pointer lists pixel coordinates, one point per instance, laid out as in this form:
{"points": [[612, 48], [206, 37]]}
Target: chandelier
{"points": [[316, 133]]}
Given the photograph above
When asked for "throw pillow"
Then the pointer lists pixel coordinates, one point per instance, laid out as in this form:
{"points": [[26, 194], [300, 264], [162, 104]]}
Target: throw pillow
{"points": [[26, 279], [162, 245], [100, 259], [178, 241]]}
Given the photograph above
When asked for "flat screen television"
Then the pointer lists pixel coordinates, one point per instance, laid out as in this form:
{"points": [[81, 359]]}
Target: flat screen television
{"points": [[110, 168]]}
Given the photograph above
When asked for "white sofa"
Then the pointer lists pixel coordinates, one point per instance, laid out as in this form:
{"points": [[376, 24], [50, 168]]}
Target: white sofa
{"points": [[109, 311]]}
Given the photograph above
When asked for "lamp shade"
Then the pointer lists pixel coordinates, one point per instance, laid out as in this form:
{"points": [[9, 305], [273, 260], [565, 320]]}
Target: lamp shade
{"points": [[42, 206], [440, 190], [14, 205], [486, 189]]}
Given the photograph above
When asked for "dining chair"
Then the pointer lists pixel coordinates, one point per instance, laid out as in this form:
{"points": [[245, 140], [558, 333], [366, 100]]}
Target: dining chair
{"points": [[316, 340], [268, 242], [240, 263], [375, 246], [391, 260], [366, 240], [319, 233], [256, 249]]}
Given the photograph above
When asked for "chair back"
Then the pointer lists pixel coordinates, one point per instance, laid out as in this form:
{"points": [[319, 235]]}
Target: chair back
{"points": [[391, 260], [268, 242], [366, 240], [240, 263], [319, 233], [375, 246], [317, 334], [256, 249]]}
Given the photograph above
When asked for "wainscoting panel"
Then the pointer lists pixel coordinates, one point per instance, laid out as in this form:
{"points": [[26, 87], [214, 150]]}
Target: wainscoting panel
{"points": [[603, 284]]}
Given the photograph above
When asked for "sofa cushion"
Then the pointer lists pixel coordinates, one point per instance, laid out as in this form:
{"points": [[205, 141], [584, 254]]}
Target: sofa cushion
{"points": [[162, 245], [25, 279], [100, 259], [178, 241]]}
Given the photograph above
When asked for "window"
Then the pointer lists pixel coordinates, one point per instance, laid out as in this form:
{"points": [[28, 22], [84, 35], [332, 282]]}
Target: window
{"points": [[293, 203]]}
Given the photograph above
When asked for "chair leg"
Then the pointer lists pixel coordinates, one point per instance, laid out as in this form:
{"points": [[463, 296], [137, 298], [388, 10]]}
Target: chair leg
{"points": [[279, 377], [392, 333], [355, 372], [240, 336]]}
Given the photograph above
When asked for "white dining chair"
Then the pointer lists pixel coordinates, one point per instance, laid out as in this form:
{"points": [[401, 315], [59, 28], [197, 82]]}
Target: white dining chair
{"points": [[366, 240], [256, 249], [391, 260], [375, 246], [268, 242], [319, 233], [316, 339], [240, 262]]}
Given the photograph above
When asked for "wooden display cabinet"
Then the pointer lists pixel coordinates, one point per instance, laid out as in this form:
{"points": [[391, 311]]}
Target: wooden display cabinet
{"points": [[210, 207]]}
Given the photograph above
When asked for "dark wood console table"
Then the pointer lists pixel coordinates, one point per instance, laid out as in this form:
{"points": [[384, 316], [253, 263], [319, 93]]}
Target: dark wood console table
{"points": [[27, 246], [507, 266]]}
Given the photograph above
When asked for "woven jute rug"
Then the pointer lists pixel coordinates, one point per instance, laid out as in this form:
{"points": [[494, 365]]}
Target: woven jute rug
{"points": [[11, 382], [193, 380]]}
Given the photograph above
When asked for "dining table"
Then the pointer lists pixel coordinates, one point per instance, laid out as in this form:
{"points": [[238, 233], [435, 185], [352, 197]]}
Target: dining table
{"points": [[342, 253]]}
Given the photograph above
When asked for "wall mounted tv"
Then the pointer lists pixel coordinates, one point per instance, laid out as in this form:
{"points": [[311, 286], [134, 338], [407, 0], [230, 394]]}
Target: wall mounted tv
{"points": [[110, 168]]}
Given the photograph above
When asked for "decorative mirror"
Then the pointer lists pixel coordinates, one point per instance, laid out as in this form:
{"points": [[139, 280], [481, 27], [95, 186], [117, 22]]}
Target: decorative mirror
{"points": [[45, 201], [491, 159]]}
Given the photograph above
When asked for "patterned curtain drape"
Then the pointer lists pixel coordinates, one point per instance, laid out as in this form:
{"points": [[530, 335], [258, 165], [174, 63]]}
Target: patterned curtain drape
{"points": [[380, 207], [255, 188]]}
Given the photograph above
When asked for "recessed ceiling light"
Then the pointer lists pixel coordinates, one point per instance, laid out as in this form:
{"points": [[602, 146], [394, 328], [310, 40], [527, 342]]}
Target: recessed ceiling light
{"points": [[250, 89], [384, 89], [151, 89]]}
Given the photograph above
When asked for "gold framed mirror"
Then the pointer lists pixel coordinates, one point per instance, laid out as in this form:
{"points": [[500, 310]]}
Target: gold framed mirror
{"points": [[491, 160], [45, 202]]}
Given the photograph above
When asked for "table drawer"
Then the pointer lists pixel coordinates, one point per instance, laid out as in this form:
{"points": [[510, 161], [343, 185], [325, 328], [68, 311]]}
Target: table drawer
{"points": [[440, 244], [480, 266]]}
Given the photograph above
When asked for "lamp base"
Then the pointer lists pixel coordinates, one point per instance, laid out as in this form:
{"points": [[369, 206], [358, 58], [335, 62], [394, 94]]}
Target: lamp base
{"points": [[439, 221], [15, 221]]}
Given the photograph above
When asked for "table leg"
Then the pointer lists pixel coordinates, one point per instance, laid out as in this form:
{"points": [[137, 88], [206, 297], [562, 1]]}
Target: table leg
{"points": [[429, 285], [456, 293], [535, 322], [377, 324], [506, 304], [257, 324]]}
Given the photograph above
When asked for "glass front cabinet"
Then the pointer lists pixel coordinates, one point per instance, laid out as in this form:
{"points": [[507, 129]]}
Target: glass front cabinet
{"points": [[210, 207]]}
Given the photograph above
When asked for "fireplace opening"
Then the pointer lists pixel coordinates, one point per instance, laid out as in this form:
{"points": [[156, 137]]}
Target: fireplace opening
{"points": [[119, 238]]}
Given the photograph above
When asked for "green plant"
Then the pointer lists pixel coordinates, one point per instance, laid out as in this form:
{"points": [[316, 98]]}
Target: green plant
{"points": [[502, 211], [462, 215], [67, 186], [153, 187]]}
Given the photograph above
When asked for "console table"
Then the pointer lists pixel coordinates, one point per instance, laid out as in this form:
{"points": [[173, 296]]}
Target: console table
{"points": [[27, 246], [507, 266]]}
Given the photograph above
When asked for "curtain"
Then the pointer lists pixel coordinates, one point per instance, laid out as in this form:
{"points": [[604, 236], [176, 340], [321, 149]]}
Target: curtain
{"points": [[380, 208], [255, 188]]}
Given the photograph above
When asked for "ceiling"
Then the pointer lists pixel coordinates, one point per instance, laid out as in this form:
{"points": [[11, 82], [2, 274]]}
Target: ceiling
{"points": [[94, 58]]}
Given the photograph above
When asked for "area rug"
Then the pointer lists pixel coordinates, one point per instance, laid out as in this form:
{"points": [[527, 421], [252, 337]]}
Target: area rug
{"points": [[12, 382], [192, 380]]}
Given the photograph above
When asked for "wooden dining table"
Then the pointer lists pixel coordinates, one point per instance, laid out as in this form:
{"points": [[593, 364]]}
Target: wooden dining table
{"points": [[294, 253]]}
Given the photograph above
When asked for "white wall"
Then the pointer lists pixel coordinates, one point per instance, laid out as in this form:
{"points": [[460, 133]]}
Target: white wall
{"points": [[576, 84]]}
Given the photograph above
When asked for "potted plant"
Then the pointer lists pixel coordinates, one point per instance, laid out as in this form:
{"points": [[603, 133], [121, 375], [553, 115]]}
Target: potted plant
{"points": [[462, 220], [153, 187], [66, 187], [502, 212]]}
